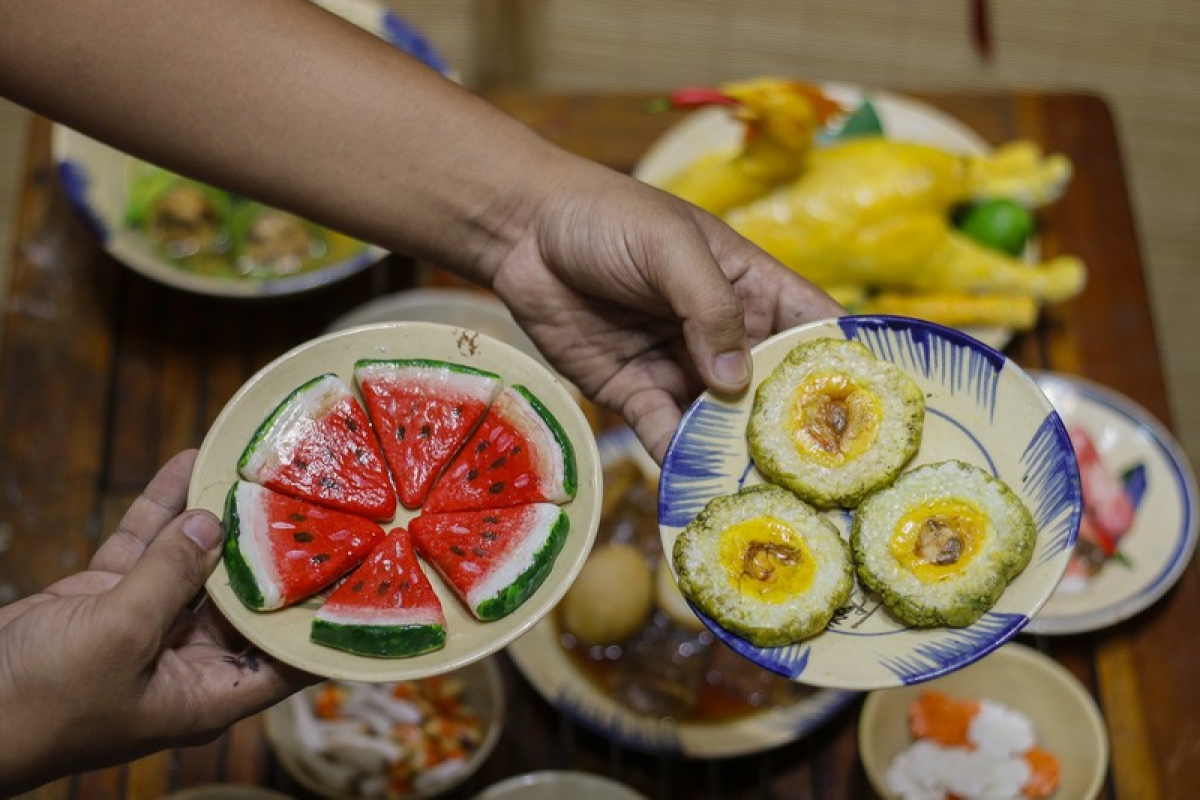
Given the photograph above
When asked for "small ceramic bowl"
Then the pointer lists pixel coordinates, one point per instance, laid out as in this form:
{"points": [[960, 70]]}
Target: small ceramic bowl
{"points": [[290, 739], [558, 784], [1065, 718]]}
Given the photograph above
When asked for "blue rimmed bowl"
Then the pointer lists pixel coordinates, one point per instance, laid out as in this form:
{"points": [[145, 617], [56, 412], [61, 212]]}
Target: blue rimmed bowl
{"points": [[980, 408]]}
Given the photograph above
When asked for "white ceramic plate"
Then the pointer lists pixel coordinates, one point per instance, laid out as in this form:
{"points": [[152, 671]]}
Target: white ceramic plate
{"points": [[550, 670], [713, 129], [1159, 546], [1064, 716], [980, 408], [557, 785], [95, 180], [285, 634]]}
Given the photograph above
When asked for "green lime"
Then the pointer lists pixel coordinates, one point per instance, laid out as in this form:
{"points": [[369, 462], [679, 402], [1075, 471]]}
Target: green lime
{"points": [[1002, 224]]}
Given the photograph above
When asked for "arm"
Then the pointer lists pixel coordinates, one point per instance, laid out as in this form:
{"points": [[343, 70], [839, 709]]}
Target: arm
{"points": [[639, 298]]}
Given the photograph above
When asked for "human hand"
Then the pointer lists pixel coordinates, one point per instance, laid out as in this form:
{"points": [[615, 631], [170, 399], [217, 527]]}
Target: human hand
{"points": [[643, 300], [109, 664]]}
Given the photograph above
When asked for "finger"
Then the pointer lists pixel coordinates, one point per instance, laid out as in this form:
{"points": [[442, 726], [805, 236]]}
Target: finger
{"points": [[711, 312], [171, 571], [160, 502]]}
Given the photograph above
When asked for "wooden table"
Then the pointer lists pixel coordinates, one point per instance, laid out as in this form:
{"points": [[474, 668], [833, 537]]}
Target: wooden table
{"points": [[104, 375]]}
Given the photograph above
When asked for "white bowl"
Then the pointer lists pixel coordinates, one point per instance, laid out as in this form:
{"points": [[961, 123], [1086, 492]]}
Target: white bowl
{"points": [[484, 694], [1065, 718], [559, 785]]}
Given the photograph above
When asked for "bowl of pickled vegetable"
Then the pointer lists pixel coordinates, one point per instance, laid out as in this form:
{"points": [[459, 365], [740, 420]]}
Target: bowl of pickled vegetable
{"points": [[399, 740]]}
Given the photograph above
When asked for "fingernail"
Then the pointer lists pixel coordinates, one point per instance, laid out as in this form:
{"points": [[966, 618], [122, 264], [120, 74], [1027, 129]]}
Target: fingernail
{"points": [[203, 530], [732, 368]]}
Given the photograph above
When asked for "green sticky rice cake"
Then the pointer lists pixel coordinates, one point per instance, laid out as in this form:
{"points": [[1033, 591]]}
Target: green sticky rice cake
{"points": [[942, 543], [833, 423], [764, 565], [385, 608]]}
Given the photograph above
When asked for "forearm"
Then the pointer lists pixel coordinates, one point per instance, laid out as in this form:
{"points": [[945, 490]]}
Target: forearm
{"points": [[279, 100]]}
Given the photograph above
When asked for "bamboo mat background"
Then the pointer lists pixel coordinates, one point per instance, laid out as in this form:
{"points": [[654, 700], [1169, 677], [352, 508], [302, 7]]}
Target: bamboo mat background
{"points": [[1139, 56]]}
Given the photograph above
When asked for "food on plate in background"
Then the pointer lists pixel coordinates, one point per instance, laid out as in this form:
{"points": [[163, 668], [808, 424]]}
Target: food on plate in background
{"points": [[670, 665], [942, 543], [764, 565], [494, 559], [211, 232], [971, 748], [386, 739], [1109, 507], [872, 219], [832, 422]]}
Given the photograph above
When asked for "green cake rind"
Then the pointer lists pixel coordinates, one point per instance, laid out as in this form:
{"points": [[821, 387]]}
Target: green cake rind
{"points": [[380, 641]]}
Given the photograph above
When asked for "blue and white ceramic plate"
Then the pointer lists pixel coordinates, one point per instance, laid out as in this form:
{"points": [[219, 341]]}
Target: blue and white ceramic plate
{"points": [[549, 668], [980, 408], [1155, 473], [96, 180]]}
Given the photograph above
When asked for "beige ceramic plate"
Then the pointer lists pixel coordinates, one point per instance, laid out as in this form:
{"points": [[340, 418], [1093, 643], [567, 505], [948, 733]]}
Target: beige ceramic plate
{"points": [[95, 179], [980, 408], [714, 129], [285, 634], [1064, 716]]}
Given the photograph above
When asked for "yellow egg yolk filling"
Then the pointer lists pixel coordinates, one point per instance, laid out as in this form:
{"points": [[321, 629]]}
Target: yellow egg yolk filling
{"points": [[766, 559], [937, 540], [834, 419]]}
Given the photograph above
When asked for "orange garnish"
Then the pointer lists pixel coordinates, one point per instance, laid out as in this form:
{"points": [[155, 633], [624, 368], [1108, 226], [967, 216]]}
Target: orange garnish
{"points": [[1044, 773], [942, 719]]}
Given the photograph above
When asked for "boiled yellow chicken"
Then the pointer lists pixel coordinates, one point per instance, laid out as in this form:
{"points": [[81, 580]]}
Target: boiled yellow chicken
{"points": [[869, 219], [781, 120]]}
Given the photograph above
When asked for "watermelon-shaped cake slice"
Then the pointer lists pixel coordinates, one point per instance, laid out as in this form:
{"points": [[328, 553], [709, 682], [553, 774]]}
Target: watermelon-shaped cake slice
{"points": [[385, 608], [495, 559], [318, 445], [423, 410], [280, 550], [519, 454]]}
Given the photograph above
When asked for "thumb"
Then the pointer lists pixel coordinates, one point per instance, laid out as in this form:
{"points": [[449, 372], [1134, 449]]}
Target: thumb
{"points": [[714, 326], [172, 570]]}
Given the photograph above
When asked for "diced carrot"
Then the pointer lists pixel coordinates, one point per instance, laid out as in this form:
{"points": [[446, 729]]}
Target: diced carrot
{"points": [[328, 702], [1044, 773], [942, 718]]}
